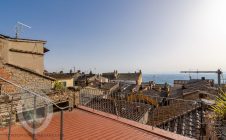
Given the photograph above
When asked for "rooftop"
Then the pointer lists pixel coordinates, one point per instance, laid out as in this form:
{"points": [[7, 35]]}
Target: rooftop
{"points": [[30, 71], [108, 86], [85, 77], [128, 76], [110, 75], [122, 76], [201, 85], [80, 124], [61, 75], [132, 111], [20, 39]]}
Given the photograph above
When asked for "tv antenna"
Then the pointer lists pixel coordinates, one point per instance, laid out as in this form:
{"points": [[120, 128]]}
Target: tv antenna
{"points": [[19, 28]]}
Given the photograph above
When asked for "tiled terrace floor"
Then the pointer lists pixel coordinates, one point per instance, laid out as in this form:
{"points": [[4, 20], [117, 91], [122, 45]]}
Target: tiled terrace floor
{"points": [[83, 125]]}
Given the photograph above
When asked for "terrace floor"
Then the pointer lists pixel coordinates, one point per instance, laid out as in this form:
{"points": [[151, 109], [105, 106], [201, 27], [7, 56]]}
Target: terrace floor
{"points": [[83, 125]]}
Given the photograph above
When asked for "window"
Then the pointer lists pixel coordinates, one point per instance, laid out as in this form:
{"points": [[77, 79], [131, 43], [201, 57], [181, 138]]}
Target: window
{"points": [[75, 83]]}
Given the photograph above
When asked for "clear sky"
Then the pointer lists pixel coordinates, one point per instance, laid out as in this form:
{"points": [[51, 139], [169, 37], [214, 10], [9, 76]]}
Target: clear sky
{"points": [[157, 36]]}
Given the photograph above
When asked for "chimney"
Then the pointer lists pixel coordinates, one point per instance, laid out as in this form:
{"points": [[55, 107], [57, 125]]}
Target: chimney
{"points": [[101, 85], [115, 73], [90, 73]]}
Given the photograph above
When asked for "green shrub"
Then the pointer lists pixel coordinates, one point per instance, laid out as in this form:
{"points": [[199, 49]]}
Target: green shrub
{"points": [[220, 106], [58, 86]]}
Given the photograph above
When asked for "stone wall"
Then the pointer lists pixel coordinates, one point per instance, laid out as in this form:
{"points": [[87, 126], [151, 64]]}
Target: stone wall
{"points": [[73, 98], [29, 80], [23, 78]]}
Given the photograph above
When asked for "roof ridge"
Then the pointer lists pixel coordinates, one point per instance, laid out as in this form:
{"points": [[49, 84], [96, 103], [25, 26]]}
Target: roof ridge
{"points": [[20, 39], [31, 71]]}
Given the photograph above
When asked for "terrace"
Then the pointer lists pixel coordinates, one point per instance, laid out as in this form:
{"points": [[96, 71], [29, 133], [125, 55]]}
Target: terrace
{"points": [[95, 118]]}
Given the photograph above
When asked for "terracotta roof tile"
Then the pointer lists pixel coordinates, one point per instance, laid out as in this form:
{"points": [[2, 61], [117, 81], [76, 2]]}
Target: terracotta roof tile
{"points": [[133, 111], [61, 75], [83, 125]]}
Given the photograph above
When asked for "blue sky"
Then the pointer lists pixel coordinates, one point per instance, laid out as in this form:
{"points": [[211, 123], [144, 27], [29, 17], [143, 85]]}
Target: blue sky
{"points": [[157, 36]]}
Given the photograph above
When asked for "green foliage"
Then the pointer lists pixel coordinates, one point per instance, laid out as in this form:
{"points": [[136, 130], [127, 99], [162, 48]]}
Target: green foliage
{"points": [[220, 107], [58, 86]]}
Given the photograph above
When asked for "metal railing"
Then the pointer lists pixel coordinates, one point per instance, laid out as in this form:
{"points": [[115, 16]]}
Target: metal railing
{"points": [[30, 109], [184, 117]]}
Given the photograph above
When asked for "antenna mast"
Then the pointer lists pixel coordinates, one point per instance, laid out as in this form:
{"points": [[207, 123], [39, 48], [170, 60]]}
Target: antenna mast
{"points": [[19, 28]]}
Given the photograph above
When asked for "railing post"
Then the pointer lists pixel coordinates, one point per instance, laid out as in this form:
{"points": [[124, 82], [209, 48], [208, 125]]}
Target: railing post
{"points": [[201, 121], [34, 117], [153, 112], [61, 124], [10, 119], [116, 109]]}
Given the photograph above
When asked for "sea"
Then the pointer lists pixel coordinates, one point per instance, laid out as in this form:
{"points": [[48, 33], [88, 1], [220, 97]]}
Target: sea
{"points": [[169, 78]]}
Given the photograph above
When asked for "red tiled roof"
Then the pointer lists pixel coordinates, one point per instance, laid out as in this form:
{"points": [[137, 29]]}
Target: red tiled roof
{"points": [[83, 125]]}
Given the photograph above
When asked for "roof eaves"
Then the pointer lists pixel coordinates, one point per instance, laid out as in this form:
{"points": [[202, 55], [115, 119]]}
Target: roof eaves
{"points": [[20, 39], [61, 76]]}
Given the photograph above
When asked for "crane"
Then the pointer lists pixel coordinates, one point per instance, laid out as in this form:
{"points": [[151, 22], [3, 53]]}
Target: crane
{"points": [[218, 72]]}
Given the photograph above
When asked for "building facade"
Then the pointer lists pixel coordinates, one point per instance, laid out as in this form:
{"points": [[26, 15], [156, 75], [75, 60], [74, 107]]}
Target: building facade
{"points": [[26, 53], [67, 79], [130, 78]]}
